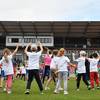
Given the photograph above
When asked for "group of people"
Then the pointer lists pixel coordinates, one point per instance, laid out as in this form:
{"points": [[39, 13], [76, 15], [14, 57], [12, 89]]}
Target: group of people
{"points": [[87, 68], [56, 68]]}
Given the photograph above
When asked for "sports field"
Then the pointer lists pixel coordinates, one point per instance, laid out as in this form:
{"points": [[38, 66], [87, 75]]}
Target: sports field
{"points": [[19, 88]]}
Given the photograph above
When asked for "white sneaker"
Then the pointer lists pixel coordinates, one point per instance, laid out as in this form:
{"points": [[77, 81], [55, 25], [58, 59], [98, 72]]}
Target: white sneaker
{"points": [[47, 88], [9, 92], [65, 92], [4, 89], [77, 90], [60, 89], [27, 91], [41, 93], [98, 87], [56, 92]]}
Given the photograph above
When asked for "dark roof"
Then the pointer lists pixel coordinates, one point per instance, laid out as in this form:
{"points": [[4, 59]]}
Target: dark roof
{"points": [[58, 28]]}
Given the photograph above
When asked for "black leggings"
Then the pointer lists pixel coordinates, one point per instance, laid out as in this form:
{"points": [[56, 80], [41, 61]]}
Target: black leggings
{"points": [[23, 76], [79, 79], [31, 75]]}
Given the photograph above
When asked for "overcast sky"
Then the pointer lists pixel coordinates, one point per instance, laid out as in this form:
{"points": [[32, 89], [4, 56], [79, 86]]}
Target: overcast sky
{"points": [[49, 10]]}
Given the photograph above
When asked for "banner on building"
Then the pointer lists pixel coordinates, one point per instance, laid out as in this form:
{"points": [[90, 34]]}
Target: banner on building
{"points": [[24, 40]]}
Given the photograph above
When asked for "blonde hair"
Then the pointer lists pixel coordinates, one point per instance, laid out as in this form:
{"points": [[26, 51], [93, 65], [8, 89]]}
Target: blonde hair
{"points": [[82, 53], [62, 49], [6, 50]]}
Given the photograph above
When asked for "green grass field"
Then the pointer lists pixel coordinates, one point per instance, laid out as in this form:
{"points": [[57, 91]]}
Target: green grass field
{"points": [[19, 89]]}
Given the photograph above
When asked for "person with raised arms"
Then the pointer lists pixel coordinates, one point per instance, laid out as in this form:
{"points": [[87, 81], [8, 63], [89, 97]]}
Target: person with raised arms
{"points": [[33, 66]]}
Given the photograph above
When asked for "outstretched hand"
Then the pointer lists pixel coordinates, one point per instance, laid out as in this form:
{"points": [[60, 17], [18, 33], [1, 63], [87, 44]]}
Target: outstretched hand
{"points": [[17, 45], [38, 43], [30, 44]]}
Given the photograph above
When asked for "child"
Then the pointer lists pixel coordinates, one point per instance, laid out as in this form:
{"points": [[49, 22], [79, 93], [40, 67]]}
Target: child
{"points": [[62, 66], [94, 70], [33, 66], [52, 69], [7, 63], [18, 72], [81, 69], [23, 72], [47, 61]]}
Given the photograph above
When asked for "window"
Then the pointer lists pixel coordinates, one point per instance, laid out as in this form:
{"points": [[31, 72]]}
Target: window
{"points": [[9, 40], [15, 40]]}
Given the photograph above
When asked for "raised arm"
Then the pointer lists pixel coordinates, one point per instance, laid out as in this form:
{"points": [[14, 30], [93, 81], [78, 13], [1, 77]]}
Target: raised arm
{"points": [[73, 56], [26, 49], [41, 47], [15, 51]]}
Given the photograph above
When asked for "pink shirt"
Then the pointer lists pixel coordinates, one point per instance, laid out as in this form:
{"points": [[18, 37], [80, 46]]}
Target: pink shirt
{"points": [[47, 59]]}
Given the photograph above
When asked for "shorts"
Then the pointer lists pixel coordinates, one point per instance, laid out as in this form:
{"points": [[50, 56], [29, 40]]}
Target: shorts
{"points": [[2, 73]]}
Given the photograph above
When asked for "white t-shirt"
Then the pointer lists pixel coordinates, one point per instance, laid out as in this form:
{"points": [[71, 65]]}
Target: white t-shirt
{"points": [[93, 64], [53, 64], [3, 65], [33, 60], [23, 70], [18, 71], [8, 66], [62, 63], [81, 65]]}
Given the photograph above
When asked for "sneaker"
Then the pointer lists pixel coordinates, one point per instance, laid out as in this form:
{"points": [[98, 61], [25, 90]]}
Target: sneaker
{"points": [[9, 92], [56, 92], [47, 88], [98, 87], [4, 89], [77, 89], [41, 93], [60, 89], [27, 92], [65, 92]]}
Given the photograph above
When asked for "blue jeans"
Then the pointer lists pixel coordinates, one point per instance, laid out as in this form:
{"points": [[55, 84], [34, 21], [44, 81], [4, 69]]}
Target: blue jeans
{"points": [[62, 75]]}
